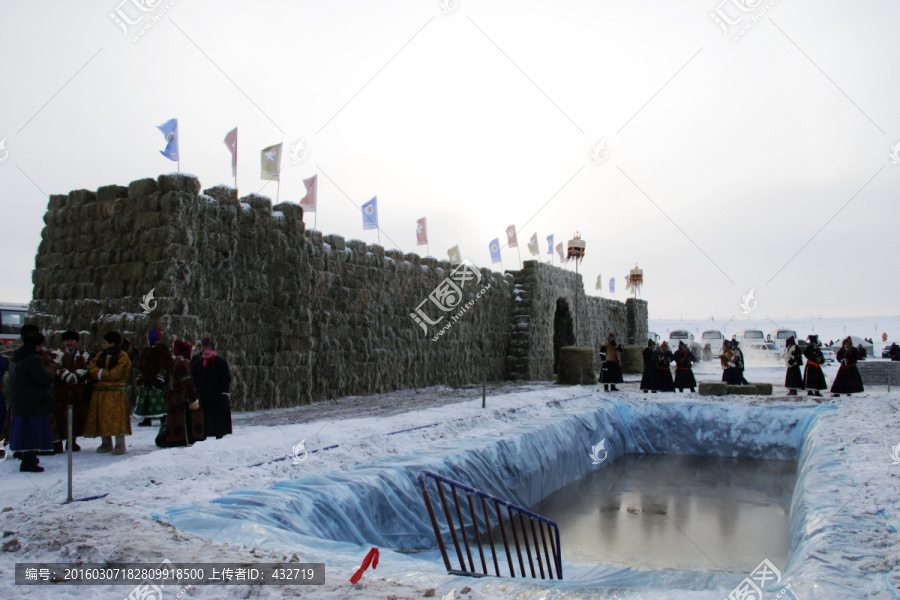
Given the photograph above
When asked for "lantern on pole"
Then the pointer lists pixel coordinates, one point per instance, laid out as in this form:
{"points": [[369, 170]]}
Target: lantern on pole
{"points": [[635, 280], [575, 252]]}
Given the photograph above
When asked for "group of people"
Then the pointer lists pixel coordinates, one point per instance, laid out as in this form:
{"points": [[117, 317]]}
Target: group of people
{"points": [[657, 375], [847, 381], [188, 392]]}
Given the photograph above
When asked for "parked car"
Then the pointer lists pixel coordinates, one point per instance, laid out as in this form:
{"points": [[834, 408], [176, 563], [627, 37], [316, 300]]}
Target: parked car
{"points": [[765, 350], [829, 355], [780, 336], [748, 336], [886, 351], [682, 335], [714, 338], [653, 336], [12, 317]]}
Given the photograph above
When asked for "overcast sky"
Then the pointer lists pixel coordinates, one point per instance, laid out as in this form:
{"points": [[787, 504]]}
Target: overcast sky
{"points": [[753, 159]]}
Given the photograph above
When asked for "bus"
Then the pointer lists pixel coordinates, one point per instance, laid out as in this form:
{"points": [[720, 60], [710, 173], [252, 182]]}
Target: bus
{"points": [[12, 317]]}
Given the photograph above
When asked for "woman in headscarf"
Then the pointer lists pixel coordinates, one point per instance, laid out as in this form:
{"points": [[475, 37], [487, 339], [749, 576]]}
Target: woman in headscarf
{"points": [[847, 381], [213, 381], [184, 420], [684, 372], [107, 414]]}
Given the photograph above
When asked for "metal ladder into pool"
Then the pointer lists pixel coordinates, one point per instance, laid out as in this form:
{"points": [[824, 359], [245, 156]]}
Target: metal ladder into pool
{"points": [[552, 556]]}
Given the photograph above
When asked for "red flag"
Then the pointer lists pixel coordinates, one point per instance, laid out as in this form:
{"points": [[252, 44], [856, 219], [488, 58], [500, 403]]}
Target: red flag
{"points": [[421, 232], [559, 250], [231, 143], [371, 558], [511, 240], [308, 202]]}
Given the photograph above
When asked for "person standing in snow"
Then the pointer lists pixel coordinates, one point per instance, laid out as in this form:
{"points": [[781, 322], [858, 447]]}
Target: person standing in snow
{"points": [[793, 359], [212, 379], [107, 415], [663, 359], [72, 389], [729, 371], [739, 361], [813, 377], [31, 402], [153, 367], [648, 379], [184, 420], [706, 353], [862, 352], [684, 373], [895, 352], [610, 370], [848, 380]]}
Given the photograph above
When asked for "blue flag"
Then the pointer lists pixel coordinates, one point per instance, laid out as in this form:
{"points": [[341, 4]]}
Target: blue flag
{"points": [[495, 250], [370, 214], [612, 285], [550, 244], [170, 130]]}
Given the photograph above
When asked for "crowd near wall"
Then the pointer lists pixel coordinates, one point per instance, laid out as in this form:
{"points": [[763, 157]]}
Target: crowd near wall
{"points": [[299, 316]]}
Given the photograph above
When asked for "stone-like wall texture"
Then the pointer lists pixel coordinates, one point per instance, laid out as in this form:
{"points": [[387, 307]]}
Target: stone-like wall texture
{"points": [[299, 316]]}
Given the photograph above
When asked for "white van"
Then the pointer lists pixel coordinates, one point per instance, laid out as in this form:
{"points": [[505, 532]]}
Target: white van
{"points": [[12, 317], [780, 336], [750, 336]]}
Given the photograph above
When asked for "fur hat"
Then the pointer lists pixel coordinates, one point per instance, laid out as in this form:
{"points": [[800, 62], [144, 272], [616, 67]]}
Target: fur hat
{"points": [[29, 328], [32, 339], [681, 345], [789, 342], [154, 336], [207, 341], [182, 348], [71, 335], [611, 336], [111, 337], [650, 342], [813, 338]]}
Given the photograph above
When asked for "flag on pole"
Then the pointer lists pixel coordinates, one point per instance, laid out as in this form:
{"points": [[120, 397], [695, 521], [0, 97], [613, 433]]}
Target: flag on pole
{"points": [[550, 244], [612, 285], [421, 232], [533, 245], [370, 214], [559, 250], [511, 239], [270, 160], [495, 250], [231, 143], [308, 202], [170, 131], [599, 285], [454, 255]]}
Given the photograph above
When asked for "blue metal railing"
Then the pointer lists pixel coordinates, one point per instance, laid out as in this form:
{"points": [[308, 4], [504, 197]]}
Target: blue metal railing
{"points": [[530, 535]]}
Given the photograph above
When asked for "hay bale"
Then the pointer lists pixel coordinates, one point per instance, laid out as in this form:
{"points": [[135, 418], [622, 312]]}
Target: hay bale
{"points": [[763, 389], [742, 390], [712, 388], [632, 360], [576, 366]]}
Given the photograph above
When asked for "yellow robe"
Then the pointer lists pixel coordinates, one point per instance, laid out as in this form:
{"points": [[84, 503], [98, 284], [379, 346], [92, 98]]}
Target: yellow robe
{"points": [[107, 413]]}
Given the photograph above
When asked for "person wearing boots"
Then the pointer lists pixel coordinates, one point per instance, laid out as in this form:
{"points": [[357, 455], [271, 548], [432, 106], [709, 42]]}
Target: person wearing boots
{"points": [[663, 358], [153, 366], [684, 373], [610, 369], [813, 377], [72, 389], [184, 422], [793, 359], [648, 379], [31, 402], [212, 378], [848, 380], [107, 415]]}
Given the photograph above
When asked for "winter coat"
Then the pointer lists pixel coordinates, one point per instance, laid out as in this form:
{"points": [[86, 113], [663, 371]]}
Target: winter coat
{"points": [[684, 374], [793, 359], [213, 383], [813, 377], [848, 379], [107, 413], [664, 381], [648, 380]]}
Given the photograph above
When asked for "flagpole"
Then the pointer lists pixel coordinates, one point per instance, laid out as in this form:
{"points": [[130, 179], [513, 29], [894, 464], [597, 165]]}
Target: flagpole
{"points": [[379, 236], [519, 251], [278, 191]]}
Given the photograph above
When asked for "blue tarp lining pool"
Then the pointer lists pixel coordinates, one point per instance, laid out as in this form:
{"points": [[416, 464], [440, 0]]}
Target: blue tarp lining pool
{"points": [[332, 515]]}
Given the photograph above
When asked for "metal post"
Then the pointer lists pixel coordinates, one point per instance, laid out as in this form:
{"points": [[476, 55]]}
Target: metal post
{"points": [[484, 392], [69, 416]]}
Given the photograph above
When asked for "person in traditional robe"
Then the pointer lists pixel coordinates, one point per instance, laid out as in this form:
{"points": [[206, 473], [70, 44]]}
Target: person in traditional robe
{"points": [[648, 379], [212, 379], [152, 367], [729, 371], [31, 402], [610, 369], [848, 380], [813, 377], [793, 359], [663, 359], [71, 389], [684, 373], [739, 362], [184, 419], [107, 415]]}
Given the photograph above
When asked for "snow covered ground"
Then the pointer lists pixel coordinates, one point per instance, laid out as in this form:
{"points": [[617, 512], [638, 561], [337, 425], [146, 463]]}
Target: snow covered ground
{"points": [[850, 536]]}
